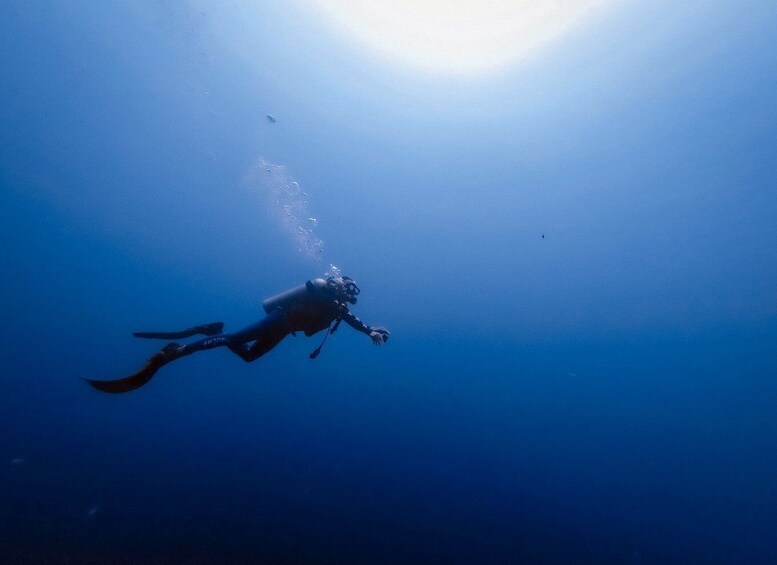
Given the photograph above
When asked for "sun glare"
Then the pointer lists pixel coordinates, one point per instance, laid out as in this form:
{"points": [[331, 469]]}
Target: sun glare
{"points": [[456, 36]]}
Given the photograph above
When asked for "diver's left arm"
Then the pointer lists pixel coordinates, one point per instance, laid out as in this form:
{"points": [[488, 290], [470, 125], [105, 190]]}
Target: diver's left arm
{"points": [[378, 334]]}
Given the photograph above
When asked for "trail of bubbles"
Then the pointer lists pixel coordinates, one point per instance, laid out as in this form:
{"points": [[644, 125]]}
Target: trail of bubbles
{"points": [[334, 272], [288, 203]]}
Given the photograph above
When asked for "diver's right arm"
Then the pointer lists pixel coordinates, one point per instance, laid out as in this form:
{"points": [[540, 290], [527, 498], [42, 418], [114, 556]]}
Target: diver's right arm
{"points": [[377, 334]]}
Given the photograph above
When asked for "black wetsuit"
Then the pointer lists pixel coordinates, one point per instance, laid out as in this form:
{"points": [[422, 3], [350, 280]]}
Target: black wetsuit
{"points": [[309, 317]]}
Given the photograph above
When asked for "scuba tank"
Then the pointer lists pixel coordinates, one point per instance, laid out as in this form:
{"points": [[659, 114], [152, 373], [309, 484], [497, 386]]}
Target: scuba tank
{"points": [[296, 295], [305, 296]]}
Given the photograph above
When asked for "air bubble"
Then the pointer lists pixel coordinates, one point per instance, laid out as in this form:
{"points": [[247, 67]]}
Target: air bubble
{"points": [[290, 204]]}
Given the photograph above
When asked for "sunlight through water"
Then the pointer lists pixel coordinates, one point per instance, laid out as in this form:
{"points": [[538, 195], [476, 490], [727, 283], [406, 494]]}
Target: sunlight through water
{"points": [[457, 37]]}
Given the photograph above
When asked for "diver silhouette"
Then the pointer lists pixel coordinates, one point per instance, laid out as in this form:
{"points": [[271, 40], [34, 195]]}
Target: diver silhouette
{"points": [[314, 306]]}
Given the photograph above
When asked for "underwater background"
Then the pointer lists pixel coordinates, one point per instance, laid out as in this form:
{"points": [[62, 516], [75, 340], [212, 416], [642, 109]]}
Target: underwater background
{"points": [[576, 257]]}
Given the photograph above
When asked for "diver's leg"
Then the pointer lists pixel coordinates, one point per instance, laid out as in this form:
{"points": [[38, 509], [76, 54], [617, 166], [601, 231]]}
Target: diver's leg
{"points": [[265, 335], [171, 352], [214, 328], [168, 353], [260, 346]]}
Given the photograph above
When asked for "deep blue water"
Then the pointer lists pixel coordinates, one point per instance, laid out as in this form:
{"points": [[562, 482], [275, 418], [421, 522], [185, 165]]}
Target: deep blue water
{"points": [[603, 394]]}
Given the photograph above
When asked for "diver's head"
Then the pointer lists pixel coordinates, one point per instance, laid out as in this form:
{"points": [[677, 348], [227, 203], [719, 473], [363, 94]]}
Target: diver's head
{"points": [[343, 288]]}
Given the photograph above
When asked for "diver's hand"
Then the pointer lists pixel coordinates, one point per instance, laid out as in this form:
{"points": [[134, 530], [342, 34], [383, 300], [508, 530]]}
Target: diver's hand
{"points": [[379, 337]]}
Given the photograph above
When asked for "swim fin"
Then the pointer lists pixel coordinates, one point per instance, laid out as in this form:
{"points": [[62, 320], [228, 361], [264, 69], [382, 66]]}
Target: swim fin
{"points": [[137, 380], [214, 328]]}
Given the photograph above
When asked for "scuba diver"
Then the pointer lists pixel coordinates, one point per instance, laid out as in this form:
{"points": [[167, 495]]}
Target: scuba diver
{"points": [[314, 306]]}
